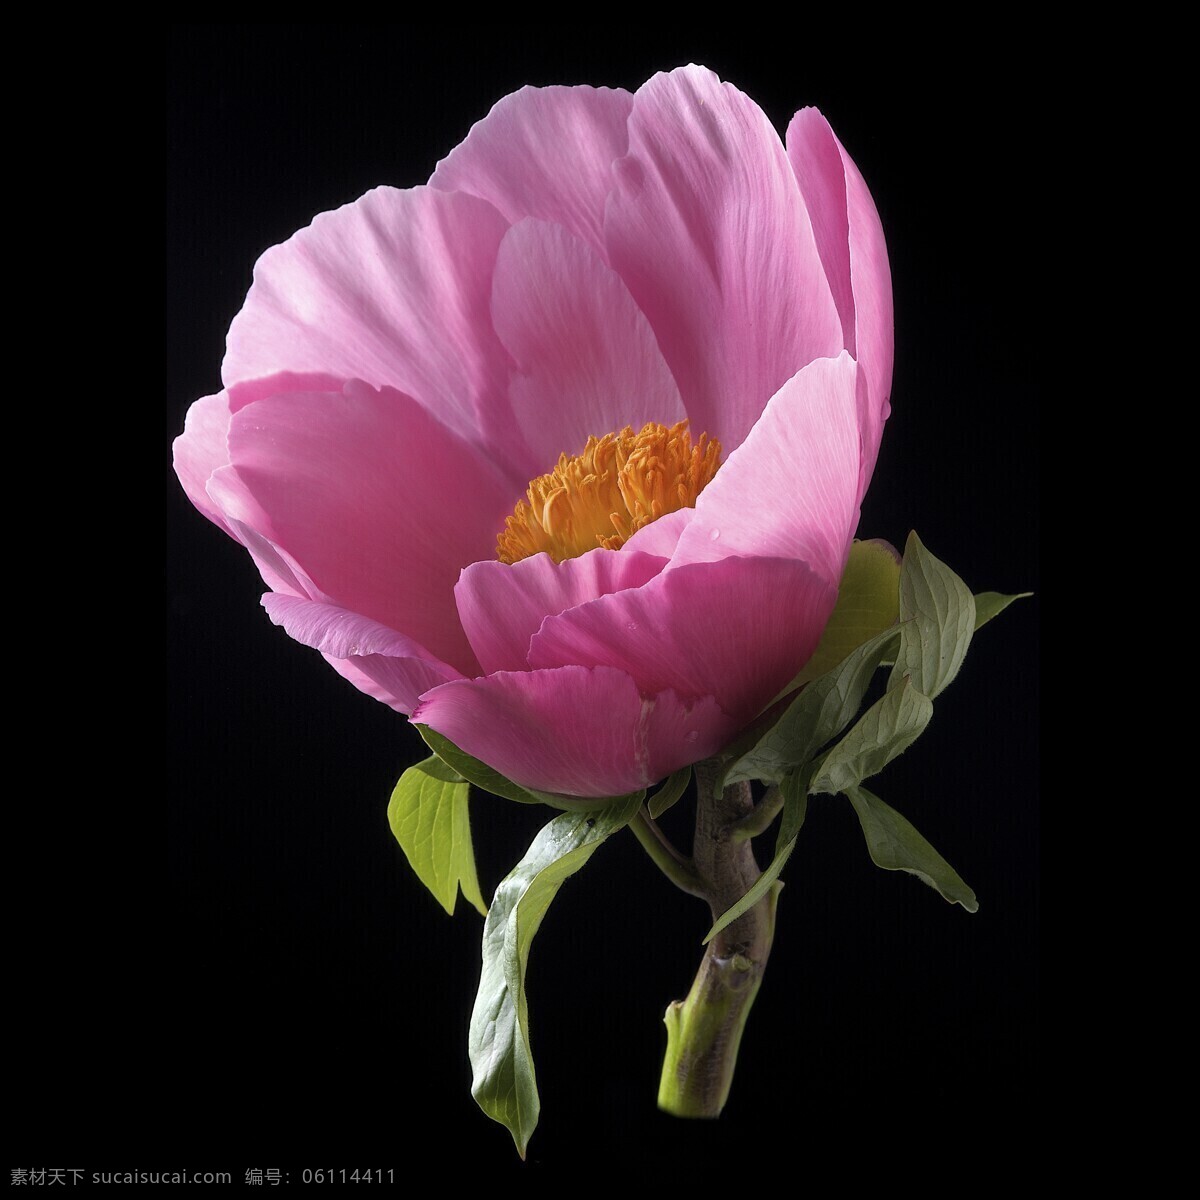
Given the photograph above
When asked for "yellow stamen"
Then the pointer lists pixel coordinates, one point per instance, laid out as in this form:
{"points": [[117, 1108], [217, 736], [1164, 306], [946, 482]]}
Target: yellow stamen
{"points": [[605, 494]]}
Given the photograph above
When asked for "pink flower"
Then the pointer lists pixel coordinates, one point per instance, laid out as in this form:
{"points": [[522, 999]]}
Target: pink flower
{"points": [[584, 261]]}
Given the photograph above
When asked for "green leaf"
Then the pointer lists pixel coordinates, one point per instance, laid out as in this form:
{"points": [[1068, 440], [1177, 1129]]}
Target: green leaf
{"points": [[670, 793], [895, 845], [795, 809], [885, 731], [992, 604], [943, 610], [428, 815], [817, 715], [868, 602], [504, 1084], [489, 780]]}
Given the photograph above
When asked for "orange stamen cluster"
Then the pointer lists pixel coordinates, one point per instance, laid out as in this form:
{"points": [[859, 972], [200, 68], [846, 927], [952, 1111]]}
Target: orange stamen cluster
{"points": [[605, 494]]}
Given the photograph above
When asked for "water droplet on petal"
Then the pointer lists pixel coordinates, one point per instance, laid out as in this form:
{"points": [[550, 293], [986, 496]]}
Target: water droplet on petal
{"points": [[632, 627], [353, 651], [716, 533], [692, 735]]}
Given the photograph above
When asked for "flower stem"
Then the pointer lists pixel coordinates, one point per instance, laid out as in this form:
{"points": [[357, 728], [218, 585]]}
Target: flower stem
{"points": [[705, 1030]]}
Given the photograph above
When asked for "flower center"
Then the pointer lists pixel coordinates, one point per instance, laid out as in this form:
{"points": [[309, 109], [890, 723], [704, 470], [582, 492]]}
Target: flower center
{"points": [[606, 493]]}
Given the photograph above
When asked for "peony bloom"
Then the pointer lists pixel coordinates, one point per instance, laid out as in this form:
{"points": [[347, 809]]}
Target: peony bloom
{"points": [[452, 429]]}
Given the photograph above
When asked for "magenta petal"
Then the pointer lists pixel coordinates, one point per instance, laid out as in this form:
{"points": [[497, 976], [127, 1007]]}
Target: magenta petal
{"points": [[790, 490], [737, 630], [378, 503], [398, 667], [587, 361], [545, 153], [851, 244], [575, 731], [202, 449], [502, 606], [392, 289], [707, 228]]}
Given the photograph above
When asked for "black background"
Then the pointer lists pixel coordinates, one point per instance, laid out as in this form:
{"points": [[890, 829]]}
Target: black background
{"points": [[289, 993]]}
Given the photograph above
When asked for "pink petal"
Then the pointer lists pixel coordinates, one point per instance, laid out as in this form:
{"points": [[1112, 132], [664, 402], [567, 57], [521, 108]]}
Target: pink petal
{"points": [[851, 244], [248, 391], [392, 289], [202, 463], [817, 163], [707, 228], [587, 360], [575, 731], [662, 536], [501, 607], [280, 572], [346, 668], [736, 630], [395, 668], [790, 490], [546, 153], [201, 449], [244, 517], [379, 504]]}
